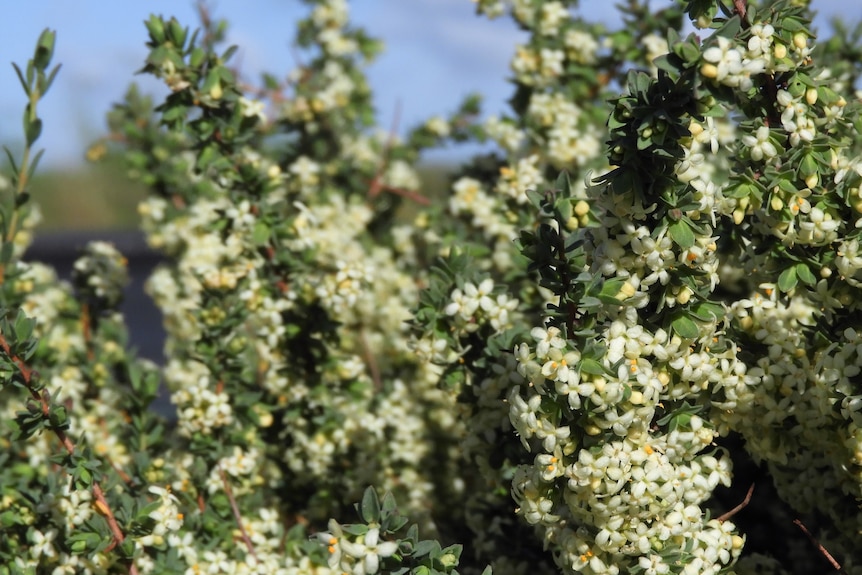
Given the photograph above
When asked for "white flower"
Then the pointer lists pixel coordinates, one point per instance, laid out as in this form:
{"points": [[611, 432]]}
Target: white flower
{"points": [[761, 146], [369, 552], [553, 13], [582, 47]]}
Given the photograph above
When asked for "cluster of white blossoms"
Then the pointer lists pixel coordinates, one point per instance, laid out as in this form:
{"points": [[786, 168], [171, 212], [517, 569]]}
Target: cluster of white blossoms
{"points": [[637, 496], [166, 516], [470, 198], [201, 407], [474, 306], [562, 135], [812, 395], [728, 64], [351, 409]]}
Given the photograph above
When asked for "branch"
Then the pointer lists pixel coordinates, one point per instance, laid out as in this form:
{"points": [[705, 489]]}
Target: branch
{"points": [[44, 399], [741, 8], [236, 514], [738, 508], [377, 185], [832, 561]]}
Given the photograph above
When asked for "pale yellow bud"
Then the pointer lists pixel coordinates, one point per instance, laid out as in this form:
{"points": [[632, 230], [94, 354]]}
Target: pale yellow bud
{"points": [[626, 291], [776, 203], [811, 96], [812, 181], [709, 71], [800, 40], [216, 91], [780, 51], [684, 295], [582, 208]]}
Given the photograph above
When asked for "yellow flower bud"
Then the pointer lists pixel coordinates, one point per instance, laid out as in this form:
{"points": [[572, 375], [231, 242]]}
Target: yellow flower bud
{"points": [[582, 208], [709, 71], [626, 291], [684, 295], [780, 51], [216, 91], [811, 96], [776, 203]]}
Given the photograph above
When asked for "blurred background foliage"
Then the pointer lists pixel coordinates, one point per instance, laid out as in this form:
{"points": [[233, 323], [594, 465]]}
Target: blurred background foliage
{"points": [[99, 196]]}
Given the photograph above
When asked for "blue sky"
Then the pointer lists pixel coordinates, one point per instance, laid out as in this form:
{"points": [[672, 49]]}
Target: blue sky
{"points": [[436, 52]]}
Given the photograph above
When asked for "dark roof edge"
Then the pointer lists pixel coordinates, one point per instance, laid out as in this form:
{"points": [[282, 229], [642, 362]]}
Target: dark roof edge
{"points": [[129, 243]]}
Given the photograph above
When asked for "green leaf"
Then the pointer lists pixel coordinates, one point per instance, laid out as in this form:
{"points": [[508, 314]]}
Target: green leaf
{"points": [[707, 311], [425, 547], [389, 503], [591, 366], [156, 28], [730, 28], [685, 327], [35, 164], [83, 478], [369, 509], [787, 280], [261, 233], [681, 234], [536, 198], [24, 83], [803, 272], [228, 53], [808, 165], [45, 82], [32, 128]]}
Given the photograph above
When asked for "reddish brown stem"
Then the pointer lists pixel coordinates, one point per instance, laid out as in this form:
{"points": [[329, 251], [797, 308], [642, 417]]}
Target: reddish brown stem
{"points": [[43, 399], [739, 507], [741, 8], [832, 561], [236, 514], [377, 181]]}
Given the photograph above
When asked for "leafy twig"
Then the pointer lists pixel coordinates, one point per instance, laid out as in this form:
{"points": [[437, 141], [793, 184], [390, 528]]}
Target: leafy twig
{"points": [[44, 401]]}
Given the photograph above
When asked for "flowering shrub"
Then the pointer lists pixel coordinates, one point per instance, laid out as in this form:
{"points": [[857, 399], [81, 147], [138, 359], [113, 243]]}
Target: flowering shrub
{"points": [[684, 295]]}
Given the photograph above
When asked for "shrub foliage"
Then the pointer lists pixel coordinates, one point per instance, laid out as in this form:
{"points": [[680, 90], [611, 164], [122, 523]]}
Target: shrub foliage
{"points": [[554, 365]]}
